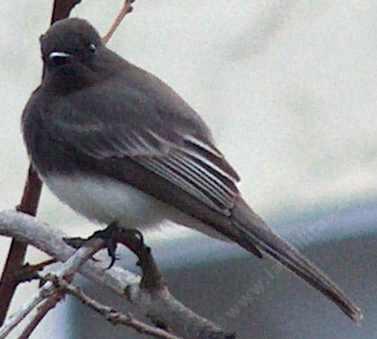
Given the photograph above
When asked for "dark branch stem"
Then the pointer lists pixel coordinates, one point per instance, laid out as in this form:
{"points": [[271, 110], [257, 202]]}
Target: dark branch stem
{"points": [[30, 272], [62, 9]]}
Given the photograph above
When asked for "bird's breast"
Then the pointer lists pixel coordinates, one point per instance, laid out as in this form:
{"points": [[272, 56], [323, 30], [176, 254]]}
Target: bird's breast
{"points": [[105, 200]]}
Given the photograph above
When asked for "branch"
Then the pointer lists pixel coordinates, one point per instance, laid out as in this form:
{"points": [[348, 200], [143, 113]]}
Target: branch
{"points": [[48, 291], [17, 250], [42, 310], [52, 294], [155, 303], [109, 313], [126, 9], [58, 284], [62, 9]]}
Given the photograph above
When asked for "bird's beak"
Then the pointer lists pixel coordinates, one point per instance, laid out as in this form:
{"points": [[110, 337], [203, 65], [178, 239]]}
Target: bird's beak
{"points": [[59, 55]]}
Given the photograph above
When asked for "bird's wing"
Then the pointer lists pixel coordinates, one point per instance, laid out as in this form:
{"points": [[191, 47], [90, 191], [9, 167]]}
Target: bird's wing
{"points": [[132, 127]]}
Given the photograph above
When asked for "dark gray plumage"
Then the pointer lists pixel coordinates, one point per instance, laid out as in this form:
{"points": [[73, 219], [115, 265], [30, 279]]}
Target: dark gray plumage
{"points": [[114, 142]]}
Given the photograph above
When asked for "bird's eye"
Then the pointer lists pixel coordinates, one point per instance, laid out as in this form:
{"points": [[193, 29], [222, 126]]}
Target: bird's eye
{"points": [[92, 48]]}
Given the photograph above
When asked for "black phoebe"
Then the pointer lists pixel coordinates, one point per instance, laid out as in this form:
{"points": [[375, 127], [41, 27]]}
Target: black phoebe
{"points": [[115, 143]]}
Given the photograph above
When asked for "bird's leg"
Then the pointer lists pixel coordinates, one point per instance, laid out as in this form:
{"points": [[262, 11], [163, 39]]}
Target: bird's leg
{"points": [[112, 235], [108, 235], [133, 239]]}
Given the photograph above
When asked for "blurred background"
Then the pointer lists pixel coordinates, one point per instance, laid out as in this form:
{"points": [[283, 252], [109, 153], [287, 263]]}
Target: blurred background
{"points": [[288, 88]]}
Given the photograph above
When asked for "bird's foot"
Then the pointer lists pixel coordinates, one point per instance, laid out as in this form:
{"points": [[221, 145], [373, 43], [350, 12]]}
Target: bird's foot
{"points": [[112, 235], [134, 240]]}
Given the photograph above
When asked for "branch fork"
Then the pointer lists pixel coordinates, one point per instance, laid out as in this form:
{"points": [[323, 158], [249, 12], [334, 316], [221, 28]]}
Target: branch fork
{"points": [[153, 299]]}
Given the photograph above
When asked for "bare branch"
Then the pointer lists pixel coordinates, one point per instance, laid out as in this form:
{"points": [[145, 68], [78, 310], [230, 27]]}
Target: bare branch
{"points": [[48, 291], [157, 304], [30, 272], [17, 250], [13, 321], [60, 284], [67, 272], [109, 313], [126, 9], [42, 310]]}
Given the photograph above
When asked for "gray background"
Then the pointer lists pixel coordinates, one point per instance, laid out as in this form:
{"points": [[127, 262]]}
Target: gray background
{"points": [[288, 87]]}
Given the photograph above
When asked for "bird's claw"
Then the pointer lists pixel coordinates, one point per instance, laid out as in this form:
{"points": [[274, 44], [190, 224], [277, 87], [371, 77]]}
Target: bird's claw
{"points": [[107, 235], [111, 235]]}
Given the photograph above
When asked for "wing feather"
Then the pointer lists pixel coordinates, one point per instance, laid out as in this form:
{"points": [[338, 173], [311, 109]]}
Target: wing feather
{"points": [[180, 150]]}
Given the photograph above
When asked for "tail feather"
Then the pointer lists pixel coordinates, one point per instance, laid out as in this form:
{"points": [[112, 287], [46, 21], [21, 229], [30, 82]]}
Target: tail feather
{"points": [[253, 232]]}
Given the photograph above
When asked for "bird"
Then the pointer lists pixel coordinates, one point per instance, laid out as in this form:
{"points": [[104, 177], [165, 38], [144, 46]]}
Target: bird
{"points": [[115, 143]]}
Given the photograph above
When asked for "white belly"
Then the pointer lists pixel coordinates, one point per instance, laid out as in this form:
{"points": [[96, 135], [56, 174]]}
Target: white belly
{"points": [[106, 200]]}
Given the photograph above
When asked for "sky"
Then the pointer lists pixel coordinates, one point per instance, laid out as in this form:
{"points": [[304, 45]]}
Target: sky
{"points": [[288, 88]]}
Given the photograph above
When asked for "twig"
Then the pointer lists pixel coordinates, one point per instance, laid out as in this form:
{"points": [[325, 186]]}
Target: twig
{"points": [[48, 290], [42, 310], [50, 241], [17, 250], [109, 313], [52, 292], [30, 272], [126, 9], [159, 305], [13, 321], [67, 272]]}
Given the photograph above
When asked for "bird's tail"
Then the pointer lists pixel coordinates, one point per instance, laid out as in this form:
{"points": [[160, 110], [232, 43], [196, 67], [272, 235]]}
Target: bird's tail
{"points": [[252, 231]]}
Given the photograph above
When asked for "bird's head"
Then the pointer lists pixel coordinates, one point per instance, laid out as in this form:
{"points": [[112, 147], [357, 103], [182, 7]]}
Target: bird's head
{"points": [[70, 47]]}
